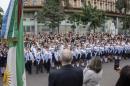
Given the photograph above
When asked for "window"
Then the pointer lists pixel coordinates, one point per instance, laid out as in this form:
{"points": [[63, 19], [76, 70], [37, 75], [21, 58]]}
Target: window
{"points": [[34, 2], [32, 28], [75, 3], [27, 28]]}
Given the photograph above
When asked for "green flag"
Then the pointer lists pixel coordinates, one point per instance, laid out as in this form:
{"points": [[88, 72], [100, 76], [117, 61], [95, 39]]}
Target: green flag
{"points": [[15, 70]]}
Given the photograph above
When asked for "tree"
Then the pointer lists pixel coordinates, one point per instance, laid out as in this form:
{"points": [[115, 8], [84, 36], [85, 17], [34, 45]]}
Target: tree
{"points": [[97, 19], [120, 5], [89, 16], [75, 20], [51, 14], [67, 4], [1, 15], [123, 4], [126, 23], [92, 16]]}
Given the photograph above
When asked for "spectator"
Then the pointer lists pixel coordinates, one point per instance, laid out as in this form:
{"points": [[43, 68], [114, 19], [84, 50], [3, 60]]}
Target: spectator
{"points": [[124, 79], [93, 73], [67, 75]]}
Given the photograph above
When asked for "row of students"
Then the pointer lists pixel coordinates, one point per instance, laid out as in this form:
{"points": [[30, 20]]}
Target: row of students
{"points": [[50, 55], [38, 59]]}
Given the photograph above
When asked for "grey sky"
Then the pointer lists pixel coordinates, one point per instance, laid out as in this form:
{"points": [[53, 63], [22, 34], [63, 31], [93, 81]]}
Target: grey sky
{"points": [[4, 4]]}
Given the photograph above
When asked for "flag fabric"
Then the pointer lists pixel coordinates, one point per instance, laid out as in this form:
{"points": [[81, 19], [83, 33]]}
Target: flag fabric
{"points": [[10, 78], [13, 31], [6, 19]]}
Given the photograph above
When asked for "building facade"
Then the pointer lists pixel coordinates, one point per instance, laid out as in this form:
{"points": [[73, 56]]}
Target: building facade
{"points": [[32, 6]]}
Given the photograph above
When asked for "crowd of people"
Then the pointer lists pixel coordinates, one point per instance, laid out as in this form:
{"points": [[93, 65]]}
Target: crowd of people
{"points": [[68, 52], [3, 57], [90, 76], [45, 49]]}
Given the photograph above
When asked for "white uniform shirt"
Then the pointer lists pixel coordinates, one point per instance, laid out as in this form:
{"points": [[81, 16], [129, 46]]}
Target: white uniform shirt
{"points": [[29, 56], [47, 55]]}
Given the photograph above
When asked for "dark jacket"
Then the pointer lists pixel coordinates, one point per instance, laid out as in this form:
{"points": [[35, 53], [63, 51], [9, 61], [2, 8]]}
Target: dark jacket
{"points": [[66, 76]]}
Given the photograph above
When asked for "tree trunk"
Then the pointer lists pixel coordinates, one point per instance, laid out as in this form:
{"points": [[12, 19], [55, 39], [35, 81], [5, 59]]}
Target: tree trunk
{"points": [[58, 29], [117, 24], [87, 26], [52, 30], [94, 29], [125, 19], [73, 29]]}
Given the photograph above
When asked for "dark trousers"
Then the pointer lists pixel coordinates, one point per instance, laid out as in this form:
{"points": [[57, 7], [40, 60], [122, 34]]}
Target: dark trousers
{"points": [[28, 66], [116, 64], [39, 66], [47, 65]]}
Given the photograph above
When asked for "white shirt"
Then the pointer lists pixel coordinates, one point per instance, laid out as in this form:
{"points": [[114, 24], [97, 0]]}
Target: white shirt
{"points": [[29, 56], [47, 55]]}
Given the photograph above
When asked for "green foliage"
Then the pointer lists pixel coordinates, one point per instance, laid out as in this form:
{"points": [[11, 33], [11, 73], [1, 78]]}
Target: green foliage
{"points": [[88, 14], [75, 19], [52, 13], [126, 22], [97, 18], [93, 15], [67, 4], [120, 5], [123, 4]]}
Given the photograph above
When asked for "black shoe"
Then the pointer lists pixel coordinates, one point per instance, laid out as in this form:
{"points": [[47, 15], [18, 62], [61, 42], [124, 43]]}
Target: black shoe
{"points": [[2, 74], [29, 72], [41, 71]]}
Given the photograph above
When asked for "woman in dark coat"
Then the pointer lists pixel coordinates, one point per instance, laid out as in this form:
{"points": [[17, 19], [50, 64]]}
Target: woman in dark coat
{"points": [[124, 79]]}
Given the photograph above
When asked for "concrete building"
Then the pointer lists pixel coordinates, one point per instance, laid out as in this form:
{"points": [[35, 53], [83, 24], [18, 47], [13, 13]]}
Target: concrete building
{"points": [[32, 6]]}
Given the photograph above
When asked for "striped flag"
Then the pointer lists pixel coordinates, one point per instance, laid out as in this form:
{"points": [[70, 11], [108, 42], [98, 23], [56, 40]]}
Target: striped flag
{"points": [[12, 30], [4, 22]]}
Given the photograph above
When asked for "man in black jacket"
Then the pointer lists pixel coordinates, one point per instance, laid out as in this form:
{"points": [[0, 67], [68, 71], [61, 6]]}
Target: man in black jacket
{"points": [[67, 75]]}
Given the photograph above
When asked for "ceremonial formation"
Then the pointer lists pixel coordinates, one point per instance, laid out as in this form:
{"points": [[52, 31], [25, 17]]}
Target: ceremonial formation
{"points": [[44, 50], [64, 43]]}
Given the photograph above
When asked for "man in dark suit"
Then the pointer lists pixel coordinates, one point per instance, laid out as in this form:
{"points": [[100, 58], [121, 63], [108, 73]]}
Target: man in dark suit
{"points": [[67, 75]]}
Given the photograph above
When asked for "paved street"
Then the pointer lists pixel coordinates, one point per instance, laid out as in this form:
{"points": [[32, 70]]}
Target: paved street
{"points": [[109, 76]]}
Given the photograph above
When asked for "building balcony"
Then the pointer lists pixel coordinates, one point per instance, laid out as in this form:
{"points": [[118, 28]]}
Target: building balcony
{"points": [[73, 5]]}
